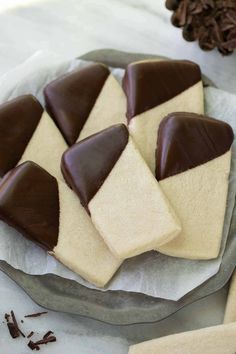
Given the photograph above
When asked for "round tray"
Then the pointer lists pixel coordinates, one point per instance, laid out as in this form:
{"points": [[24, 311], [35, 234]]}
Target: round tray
{"points": [[117, 307]]}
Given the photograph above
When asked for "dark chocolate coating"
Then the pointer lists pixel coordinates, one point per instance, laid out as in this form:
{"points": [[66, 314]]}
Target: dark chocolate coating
{"points": [[70, 99], [86, 165], [18, 121], [149, 84], [187, 140], [29, 202]]}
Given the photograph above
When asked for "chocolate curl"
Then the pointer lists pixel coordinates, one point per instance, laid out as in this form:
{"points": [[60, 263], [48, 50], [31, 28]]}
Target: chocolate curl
{"points": [[211, 22], [47, 338]]}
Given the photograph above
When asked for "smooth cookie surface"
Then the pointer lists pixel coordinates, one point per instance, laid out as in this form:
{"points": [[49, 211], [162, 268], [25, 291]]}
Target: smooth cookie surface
{"points": [[155, 89], [118, 190], [193, 165], [85, 101], [48, 213], [212, 340]]}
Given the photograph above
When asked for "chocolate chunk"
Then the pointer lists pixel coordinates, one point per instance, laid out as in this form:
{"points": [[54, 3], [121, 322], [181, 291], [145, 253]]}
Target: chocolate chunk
{"points": [[70, 99], [86, 165], [12, 325], [150, 83], [18, 121], [29, 202], [186, 140]]}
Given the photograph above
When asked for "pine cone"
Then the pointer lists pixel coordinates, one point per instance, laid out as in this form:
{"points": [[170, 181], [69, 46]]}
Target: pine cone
{"points": [[211, 22]]}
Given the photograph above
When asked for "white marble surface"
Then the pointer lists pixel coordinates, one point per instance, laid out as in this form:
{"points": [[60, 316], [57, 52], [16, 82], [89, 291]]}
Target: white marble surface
{"points": [[70, 28]]}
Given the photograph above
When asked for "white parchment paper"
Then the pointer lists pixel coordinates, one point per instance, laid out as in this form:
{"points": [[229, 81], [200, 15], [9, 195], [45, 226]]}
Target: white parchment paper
{"points": [[151, 273]]}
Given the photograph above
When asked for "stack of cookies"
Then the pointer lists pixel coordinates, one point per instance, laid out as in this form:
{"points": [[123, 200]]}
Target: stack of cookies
{"points": [[107, 172]]}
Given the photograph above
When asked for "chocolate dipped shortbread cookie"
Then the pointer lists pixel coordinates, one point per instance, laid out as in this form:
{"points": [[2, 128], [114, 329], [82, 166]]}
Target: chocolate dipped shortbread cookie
{"points": [[85, 101], [49, 213], [155, 89], [192, 166], [230, 308], [120, 193], [211, 340], [28, 133]]}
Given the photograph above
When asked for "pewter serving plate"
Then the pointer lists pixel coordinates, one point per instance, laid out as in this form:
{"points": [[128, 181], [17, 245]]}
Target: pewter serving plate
{"points": [[117, 307]]}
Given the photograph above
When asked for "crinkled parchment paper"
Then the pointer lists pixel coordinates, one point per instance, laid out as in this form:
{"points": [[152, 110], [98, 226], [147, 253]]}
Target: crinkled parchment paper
{"points": [[151, 273]]}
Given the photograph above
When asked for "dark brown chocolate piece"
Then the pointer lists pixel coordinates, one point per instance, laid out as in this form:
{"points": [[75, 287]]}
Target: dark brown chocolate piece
{"points": [[18, 121], [148, 84], [29, 202], [46, 335], [7, 317], [70, 99], [13, 330], [187, 140], [33, 346], [30, 334], [12, 325], [47, 338], [36, 314], [86, 165], [15, 323]]}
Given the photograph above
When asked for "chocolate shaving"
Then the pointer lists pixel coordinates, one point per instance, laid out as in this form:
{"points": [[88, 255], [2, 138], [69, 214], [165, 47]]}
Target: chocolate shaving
{"points": [[12, 325], [48, 334], [16, 324], [211, 22], [30, 334], [47, 338], [36, 314], [33, 346], [14, 332]]}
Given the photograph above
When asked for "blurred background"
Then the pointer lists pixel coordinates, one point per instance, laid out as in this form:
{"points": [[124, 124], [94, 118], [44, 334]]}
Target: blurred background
{"points": [[72, 27]]}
